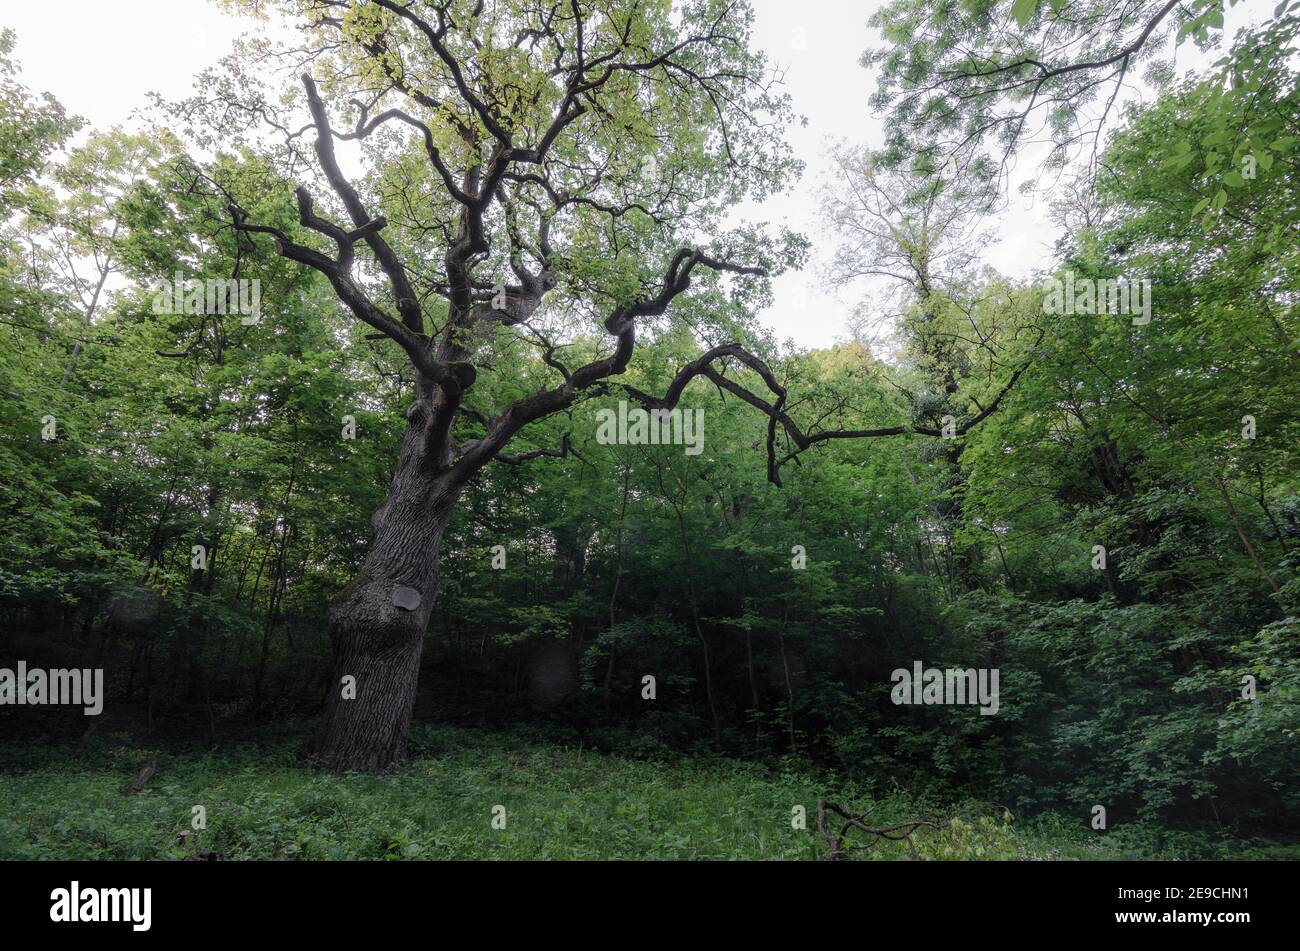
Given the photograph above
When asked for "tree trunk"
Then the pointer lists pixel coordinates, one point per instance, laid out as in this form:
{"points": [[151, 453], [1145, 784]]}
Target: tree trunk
{"points": [[377, 623]]}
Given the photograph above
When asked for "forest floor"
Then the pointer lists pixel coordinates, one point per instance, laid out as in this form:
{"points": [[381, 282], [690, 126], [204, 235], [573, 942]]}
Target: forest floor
{"points": [[555, 802]]}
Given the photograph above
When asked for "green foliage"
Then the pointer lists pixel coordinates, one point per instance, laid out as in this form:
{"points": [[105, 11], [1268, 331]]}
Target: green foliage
{"points": [[561, 802], [770, 619]]}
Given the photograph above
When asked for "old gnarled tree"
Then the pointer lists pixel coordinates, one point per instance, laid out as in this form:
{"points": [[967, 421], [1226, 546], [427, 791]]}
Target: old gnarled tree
{"points": [[537, 163]]}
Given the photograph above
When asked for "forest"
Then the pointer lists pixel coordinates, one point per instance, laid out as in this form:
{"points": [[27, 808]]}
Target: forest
{"points": [[397, 427]]}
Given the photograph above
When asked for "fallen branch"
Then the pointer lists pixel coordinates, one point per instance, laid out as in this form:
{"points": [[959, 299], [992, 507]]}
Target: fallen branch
{"points": [[902, 832]]}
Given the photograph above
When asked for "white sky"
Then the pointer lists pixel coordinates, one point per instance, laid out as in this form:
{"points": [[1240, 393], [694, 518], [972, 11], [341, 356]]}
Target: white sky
{"points": [[101, 57]]}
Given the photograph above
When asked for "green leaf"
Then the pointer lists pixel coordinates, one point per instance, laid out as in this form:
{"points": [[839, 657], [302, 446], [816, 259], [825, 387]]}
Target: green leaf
{"points": [[1023, 11], [1234, 180]]}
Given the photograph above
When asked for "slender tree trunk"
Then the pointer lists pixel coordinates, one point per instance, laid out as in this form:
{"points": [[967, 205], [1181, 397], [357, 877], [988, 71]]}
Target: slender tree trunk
{"points": [[377, 623], [618, 580], [789, 688], [277, 587], [699, 633]]}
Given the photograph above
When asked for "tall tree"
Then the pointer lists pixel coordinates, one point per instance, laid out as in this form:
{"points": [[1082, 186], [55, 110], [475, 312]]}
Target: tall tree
{"points": [[573, 159]]}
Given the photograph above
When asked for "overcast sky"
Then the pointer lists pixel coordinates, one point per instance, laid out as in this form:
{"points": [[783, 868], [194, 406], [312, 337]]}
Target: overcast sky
{"points": [[101, 57]]}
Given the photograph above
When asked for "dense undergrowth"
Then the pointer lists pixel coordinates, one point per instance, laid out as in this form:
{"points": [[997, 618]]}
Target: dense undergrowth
{"points": [[560, 802]]}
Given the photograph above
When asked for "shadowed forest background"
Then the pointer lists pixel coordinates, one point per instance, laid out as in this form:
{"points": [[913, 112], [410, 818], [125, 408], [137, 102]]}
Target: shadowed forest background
{"points": [[770, 617]]}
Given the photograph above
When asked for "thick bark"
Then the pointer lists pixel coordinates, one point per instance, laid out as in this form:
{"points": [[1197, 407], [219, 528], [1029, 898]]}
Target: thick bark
{"points": [[377, 622]]}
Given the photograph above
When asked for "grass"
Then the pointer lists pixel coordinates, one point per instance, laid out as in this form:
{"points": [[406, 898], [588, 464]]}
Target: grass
{"points": [[559, 803]]}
